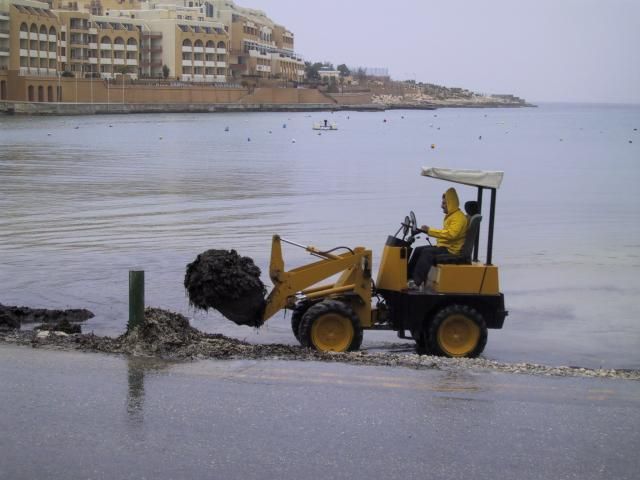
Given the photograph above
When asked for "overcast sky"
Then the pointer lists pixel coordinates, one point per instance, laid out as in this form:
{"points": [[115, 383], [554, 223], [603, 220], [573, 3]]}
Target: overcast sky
{"points": [[542, 50]]}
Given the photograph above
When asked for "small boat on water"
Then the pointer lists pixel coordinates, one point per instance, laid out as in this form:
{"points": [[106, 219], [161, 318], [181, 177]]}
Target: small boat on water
{"points": [[325, 126]]}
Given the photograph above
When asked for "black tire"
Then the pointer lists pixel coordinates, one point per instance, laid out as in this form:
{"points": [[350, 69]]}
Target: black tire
{"points": [[422, 346], [457, 331], [335, 308], [296, 318]]}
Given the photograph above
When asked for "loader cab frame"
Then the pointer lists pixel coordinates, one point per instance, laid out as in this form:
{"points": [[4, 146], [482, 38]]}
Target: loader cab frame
{"points": [[461, 294]]}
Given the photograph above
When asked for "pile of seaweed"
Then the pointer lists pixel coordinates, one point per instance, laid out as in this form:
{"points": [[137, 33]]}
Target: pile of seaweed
{"points": [[161, 334], [13, 317], [229, 283]]}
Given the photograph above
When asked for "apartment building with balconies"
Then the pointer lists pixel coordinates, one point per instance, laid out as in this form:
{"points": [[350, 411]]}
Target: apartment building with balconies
{"points": [[100, 46], [29, 38], [29, 34], [203, 41], [259, 46], [193, 46]]}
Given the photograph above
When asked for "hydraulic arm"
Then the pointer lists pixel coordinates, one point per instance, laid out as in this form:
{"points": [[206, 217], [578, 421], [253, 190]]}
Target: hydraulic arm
{"points": [[354, 267]]}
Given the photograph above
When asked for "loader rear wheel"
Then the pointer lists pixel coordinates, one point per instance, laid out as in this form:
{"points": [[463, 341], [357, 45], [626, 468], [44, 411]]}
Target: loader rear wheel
{"points": [[330, 326], [422, 346], [457, 331]]}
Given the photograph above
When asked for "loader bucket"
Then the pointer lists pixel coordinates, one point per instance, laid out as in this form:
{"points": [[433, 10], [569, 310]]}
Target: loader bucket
{"points": [[229, 283]]}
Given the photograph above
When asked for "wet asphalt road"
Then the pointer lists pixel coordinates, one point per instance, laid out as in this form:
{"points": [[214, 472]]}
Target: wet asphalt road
{"points": [[76, 415]]}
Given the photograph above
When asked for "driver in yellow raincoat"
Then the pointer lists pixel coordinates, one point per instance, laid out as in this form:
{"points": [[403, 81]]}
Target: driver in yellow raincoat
{"points": [[450, 239]]}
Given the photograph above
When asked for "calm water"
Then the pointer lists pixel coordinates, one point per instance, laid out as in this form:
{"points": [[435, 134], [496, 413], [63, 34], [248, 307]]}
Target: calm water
{"points": [[85, 199]]}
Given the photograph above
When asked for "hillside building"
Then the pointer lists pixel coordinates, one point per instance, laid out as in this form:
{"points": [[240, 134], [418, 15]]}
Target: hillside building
{"points": [[200, 41]]}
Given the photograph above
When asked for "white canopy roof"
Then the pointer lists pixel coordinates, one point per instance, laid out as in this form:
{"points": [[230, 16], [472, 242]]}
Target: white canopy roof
{"points": [[475, 178]]}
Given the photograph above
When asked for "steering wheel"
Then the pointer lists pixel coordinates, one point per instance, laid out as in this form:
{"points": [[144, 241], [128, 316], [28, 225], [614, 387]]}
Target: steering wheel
{"points": [[406, 227], [414, 222], [414, 227]]}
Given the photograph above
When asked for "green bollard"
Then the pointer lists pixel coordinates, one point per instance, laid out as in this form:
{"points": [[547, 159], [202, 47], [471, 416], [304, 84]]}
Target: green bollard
{"points": [[136, 299]]}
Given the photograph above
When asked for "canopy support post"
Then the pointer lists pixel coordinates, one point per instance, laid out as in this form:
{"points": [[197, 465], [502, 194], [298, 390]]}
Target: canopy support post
{"points": [[492, 215], [476, 247]]}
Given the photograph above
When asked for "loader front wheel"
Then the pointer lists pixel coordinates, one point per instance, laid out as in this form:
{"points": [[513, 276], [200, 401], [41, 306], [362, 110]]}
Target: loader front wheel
{"points": [[330, 326], [457, 331], [296, 317]]}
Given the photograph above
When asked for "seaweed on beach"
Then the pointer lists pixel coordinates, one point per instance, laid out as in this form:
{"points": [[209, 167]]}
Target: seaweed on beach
{"points": [[12, 317]]}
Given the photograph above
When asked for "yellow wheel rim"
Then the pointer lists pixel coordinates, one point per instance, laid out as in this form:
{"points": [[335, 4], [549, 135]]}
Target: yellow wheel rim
{"points": [[458, 335], [332, 333]]}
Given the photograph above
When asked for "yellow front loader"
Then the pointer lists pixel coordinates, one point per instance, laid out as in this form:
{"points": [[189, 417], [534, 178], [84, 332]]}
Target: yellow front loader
{"points": [[449, 317]]}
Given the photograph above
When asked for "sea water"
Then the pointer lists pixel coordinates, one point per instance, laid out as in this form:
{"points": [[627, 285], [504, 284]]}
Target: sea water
{"points": [[83, 200]]}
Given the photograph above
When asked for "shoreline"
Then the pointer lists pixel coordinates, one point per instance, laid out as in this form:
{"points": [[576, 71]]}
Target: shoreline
{"points": [[169, 336], [63, 109]]}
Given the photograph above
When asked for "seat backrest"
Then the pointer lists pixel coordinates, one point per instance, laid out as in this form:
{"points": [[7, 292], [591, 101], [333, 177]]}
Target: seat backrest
{"points": [[472, 208], [470, 238]]}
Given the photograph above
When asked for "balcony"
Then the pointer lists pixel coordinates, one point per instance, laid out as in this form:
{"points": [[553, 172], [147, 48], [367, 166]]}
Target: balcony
{"points": [[63, 43], [43, 37], [52, 55], [33, 36], [222, 51], [24, 35], [186, 49], [4, 16], [198, 63], [118, 47], [209, 64], [24, 53], [105, 61], [132, 48], [209, 50], [221, 64], [132, 61], [63, 59], [105, 46], [93, 60], [152, 63], [187, 63], [43, 54], [118, 61], [79, 25], [93, 46], [52, 38], [38, 72], [93, 31]]}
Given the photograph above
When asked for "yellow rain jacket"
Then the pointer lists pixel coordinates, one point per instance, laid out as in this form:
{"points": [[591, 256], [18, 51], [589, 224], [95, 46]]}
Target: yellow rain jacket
{"points": [[452, 234]]}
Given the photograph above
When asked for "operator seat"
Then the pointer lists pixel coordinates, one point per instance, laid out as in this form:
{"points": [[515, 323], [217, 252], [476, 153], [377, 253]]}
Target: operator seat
{"points": [[469, 240]]}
